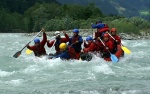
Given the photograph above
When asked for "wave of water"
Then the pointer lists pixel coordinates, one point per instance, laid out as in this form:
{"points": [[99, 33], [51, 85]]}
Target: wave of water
{"points": [[30, 75]]}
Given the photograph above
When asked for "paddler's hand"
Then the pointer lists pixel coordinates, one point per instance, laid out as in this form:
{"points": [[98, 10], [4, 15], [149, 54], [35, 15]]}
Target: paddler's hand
{"points": [[47, 41], [117, 41], [76, 41], [107, 48], [64, 32], [43, 30], [107, 32], [27, 45]]}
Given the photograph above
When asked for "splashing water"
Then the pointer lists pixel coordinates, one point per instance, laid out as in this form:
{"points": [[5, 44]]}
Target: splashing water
{"points": [[30, 75]]}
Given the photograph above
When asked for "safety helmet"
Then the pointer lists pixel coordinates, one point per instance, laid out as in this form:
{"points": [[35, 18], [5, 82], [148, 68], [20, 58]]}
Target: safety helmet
{"points": [[63, 46], [36, 40], [98, 21], [113, 30], [89, 38], [105, 35], [57, 33], [75, 30]]}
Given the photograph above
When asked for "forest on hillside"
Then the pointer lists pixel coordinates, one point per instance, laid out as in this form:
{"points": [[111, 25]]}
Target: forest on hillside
{"points": [[32, 15], [127, 8]]}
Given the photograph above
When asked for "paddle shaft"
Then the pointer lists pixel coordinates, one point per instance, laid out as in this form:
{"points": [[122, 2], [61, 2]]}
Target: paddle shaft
{"points": [[31, 40], [52, 47], [17, 54], [113, 38]]}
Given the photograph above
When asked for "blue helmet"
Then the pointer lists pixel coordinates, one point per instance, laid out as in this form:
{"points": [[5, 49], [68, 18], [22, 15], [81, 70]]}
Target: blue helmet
{"points": [[98, 21], [89, 38], [76, 31], [36, 40]]}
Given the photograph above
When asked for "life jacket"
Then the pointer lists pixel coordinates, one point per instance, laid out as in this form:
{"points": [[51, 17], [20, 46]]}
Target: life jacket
{"points": [[76, 46], [39, 51], [74, 39], [57, 43], [71, 52]]}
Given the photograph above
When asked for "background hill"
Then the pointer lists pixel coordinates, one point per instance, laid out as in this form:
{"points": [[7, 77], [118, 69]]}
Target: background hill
{"points": [[32, 15], [127, 8], [21, 6]]}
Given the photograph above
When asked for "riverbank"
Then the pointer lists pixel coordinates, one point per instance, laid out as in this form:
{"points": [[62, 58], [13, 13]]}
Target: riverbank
{"points": [[87, 32]]}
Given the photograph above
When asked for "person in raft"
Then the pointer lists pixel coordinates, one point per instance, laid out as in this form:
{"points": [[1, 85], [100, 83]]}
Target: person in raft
{"points": [[102, 28], [38, 47], [76, 42], [91, 46], [66, 52], [117, 40], [58, 40], [109, 46]]}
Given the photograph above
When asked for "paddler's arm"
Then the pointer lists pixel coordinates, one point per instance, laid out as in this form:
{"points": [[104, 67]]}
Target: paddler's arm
{"points": [[43, 42], [66, 39], [100, 25], [30, 47], [50, 44]]}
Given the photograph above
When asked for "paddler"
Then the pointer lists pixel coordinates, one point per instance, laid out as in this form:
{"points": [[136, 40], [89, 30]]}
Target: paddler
{"points": [[38, 47], [58, 40], [76, 42], [91, 46], [109, 46], [67, 52]]}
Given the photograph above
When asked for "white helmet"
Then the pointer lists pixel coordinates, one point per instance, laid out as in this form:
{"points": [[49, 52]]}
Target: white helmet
{"points": [[57, 33]]}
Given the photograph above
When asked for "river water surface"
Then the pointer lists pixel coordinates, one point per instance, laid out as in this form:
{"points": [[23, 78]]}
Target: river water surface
{"points": [[29, 75]]}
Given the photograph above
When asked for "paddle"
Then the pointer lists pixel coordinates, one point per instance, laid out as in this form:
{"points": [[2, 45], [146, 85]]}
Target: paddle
{"points": [[28, 51], [125, 49], [17, 54], [112, 56], [52, 47]]}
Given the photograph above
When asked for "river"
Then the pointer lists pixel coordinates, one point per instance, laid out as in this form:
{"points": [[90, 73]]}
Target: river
{"points": [[29, 75]]}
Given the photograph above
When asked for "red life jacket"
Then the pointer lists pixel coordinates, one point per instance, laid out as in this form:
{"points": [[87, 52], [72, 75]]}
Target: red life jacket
{"points": [[74, 39], [108, 44], [72, 52], [104, 29]]}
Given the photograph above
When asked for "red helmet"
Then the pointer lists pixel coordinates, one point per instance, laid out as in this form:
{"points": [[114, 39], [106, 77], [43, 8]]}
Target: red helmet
{"points": [[113, 30], [105, 35]]}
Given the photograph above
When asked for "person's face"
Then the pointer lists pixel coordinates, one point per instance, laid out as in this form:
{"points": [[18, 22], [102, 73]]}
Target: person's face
{"points": [[106, 38], [113, 33], [58, 36], [61, 50], [37, 44], [75, 34], [89, 41]]}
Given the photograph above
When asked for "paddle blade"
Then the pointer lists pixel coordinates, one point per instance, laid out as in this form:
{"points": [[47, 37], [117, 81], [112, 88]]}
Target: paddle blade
{"points": [[126, 50], [28, 51], [114, 58], [17, 54]]}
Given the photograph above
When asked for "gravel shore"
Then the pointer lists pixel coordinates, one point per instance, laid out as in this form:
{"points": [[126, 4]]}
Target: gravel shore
{"points": [[87, 32]]}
